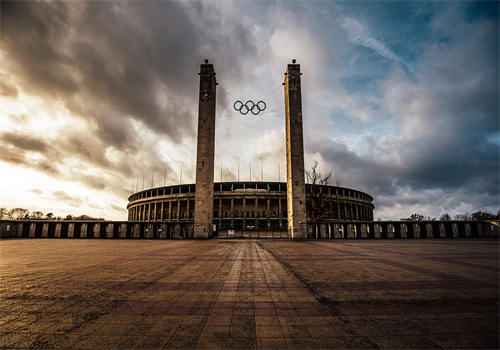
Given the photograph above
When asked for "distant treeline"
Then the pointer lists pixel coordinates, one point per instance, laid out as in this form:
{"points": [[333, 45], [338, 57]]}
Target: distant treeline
{"points": [[480, 215], [25, 214]]}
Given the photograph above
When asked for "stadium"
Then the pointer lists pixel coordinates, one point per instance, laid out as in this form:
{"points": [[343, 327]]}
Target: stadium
{"points": [[246, 207]]}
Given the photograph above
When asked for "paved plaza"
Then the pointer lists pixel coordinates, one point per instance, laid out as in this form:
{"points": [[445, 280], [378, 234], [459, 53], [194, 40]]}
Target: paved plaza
{"points": [[242, 294]]}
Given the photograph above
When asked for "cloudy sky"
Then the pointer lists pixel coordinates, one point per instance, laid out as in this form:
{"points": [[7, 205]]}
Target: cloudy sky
{"points": [[400, 99]]}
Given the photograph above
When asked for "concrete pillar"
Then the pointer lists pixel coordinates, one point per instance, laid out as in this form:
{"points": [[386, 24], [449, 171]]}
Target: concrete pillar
{"points": [[442, 230], [170, 210], [97, 230], [349, 231], [454, 228], [122, 231], [480, 229], [19, 229], [296, 190], [58, 230], [467, 230], [336, 231], [32, 230], [376, 230], [364, 234], [322, 232], [204, 196], [109, 230], [83, 230], [268, 210], [244, 213], [45, 230], [404, 230], [416, 230], [220, 209], [162, 207], [71, 230], [428, 227], [256, 217], [232, 209]]}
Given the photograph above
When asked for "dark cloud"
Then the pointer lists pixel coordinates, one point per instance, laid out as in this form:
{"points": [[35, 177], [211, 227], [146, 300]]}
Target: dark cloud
{"points": [[115, 65], [117, 208], [24, 142], [116, 62], [447, 113], [74, 201]]}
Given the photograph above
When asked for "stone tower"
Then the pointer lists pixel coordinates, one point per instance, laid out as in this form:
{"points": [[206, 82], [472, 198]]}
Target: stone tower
{"points": [[204, 196], [296, 189]]}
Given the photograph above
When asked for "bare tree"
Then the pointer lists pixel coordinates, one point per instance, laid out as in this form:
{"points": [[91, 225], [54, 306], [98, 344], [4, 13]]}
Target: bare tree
{"points": [[318, 207], [4, 214], [445, 217], [462, 217], [482, 215], [18, 213], [36, 215], [416, 217]]}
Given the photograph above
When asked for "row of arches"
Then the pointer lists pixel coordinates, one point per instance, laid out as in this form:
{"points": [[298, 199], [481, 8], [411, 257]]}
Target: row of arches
{"points": [[324, 230], [182, 209]]}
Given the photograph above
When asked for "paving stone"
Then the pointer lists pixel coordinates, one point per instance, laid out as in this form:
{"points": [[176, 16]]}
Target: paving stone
{"points": [[241, 343], [271, 343], [215, 331], [269, 331], [211, 343], [102, 294], [151, 342]]}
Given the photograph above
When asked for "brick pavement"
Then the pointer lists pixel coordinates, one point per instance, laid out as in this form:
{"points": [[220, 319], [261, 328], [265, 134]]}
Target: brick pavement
{"points": [[108, 294]]}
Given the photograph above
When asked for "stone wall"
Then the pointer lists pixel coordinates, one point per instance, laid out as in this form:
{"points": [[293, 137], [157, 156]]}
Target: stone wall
{"points": [[185, 230]]}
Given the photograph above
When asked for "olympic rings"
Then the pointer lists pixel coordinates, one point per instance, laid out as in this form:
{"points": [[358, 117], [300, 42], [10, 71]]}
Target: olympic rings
{"points": [[249, 106]]}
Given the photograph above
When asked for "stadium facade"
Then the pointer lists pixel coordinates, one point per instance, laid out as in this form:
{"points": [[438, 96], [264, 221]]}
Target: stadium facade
{"points": [[247, 206]]}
